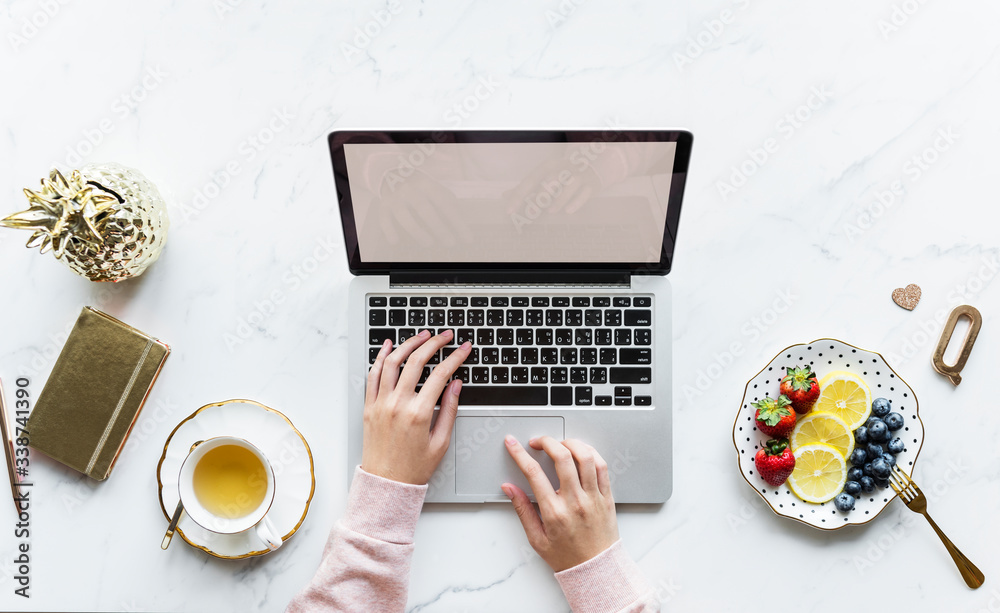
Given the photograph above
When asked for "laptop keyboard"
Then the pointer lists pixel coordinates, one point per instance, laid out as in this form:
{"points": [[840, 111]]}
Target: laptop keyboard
{"points": [[579, 351]]}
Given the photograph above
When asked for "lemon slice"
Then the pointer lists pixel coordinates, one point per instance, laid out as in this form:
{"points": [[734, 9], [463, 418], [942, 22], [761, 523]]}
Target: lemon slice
{"points": [[823, 428], [820, 473], [845, 395]]}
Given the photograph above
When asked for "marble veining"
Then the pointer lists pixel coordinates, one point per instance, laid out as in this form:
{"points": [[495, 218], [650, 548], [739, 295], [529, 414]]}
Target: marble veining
{"points": [[841, 150]]}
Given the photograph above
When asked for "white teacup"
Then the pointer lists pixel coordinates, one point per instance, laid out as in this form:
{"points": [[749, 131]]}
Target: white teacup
{"points": [[229, 515]]}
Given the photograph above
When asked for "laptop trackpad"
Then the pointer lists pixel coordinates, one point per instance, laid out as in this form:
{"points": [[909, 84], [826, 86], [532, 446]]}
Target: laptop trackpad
{"points": [[482, 461]]}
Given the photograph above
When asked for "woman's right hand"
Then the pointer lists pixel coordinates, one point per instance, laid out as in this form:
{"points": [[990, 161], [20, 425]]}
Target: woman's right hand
{"points": [[575, 523]]}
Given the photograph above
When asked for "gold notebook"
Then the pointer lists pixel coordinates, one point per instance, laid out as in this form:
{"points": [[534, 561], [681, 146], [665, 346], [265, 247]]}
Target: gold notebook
{"points": [[95, 393]]}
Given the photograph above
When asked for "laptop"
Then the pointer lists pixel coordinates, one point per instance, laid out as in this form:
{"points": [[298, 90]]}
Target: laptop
{"points": [[549, 251]]}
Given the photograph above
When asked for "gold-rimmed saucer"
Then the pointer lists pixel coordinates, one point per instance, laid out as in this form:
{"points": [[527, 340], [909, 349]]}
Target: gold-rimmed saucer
{"points": [[273, 433]]}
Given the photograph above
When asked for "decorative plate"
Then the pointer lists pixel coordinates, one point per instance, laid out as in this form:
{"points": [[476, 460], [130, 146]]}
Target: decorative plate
{"points": [[286, 449], [826, 355]]}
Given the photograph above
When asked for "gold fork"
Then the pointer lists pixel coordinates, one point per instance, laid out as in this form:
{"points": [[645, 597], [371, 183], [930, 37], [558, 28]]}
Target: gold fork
{"points": [[917, 502]]}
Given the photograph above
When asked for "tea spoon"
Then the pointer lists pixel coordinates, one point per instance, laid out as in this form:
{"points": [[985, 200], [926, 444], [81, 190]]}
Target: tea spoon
{"points": [[173, 525], [177, 514]]}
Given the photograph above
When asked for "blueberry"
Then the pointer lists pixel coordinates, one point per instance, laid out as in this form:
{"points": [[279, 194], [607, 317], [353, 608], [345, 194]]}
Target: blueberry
{"points": [[874, 450], [879, 432], [881, 407], [894, 421], [880, 469], [867, 484], [882, 483], [852, 487], [871, 422], [868, 469], [858, 456], [844, 502], [855, 474], [895, 445], [861, 435], [889, 459]]}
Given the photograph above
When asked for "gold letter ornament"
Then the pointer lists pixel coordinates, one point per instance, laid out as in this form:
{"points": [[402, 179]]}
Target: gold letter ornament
{"points": [[975, 322]]}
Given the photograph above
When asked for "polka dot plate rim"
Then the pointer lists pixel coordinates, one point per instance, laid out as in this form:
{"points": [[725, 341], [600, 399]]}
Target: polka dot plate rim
{"points": [[826, 355]]}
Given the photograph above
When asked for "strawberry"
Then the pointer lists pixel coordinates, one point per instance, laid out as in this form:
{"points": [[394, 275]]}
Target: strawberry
{"points": [[800, 385], [775, 461], [774, 417]]}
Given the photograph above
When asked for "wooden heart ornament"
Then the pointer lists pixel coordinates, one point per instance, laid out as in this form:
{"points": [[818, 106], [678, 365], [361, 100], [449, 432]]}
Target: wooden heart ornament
{"points": [[907, 297]]}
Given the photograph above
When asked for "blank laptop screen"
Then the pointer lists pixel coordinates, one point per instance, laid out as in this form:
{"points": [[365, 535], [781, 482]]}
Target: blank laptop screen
{"points": [[578, 202]]}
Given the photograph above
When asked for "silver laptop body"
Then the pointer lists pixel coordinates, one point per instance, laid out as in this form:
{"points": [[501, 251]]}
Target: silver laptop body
{"points": [[548, 250]]}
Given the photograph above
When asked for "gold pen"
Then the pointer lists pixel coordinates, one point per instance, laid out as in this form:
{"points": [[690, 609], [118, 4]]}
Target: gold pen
{"points": [[8, 450]]}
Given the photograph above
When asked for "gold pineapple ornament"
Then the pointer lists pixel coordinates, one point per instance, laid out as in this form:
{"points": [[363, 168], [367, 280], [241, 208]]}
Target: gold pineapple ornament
{"points": [[106, 222]]}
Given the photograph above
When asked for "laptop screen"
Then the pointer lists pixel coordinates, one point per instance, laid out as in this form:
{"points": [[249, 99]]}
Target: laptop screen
{"points": [[459, 199]]}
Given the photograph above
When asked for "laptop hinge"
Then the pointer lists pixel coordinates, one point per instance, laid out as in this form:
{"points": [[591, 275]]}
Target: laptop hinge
{"points": [[509, 277]]}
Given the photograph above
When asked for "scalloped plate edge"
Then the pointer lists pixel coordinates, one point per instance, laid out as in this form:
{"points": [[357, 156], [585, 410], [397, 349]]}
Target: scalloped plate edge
{"points": [[739, 413]]}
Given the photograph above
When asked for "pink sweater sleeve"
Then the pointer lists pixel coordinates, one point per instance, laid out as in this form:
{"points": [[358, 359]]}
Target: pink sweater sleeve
{"points": [[610, 582], [366, 563]]}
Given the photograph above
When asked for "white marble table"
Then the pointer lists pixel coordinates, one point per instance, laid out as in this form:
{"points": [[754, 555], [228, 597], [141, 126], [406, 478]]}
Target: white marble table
{"points": [[841, 150]]}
